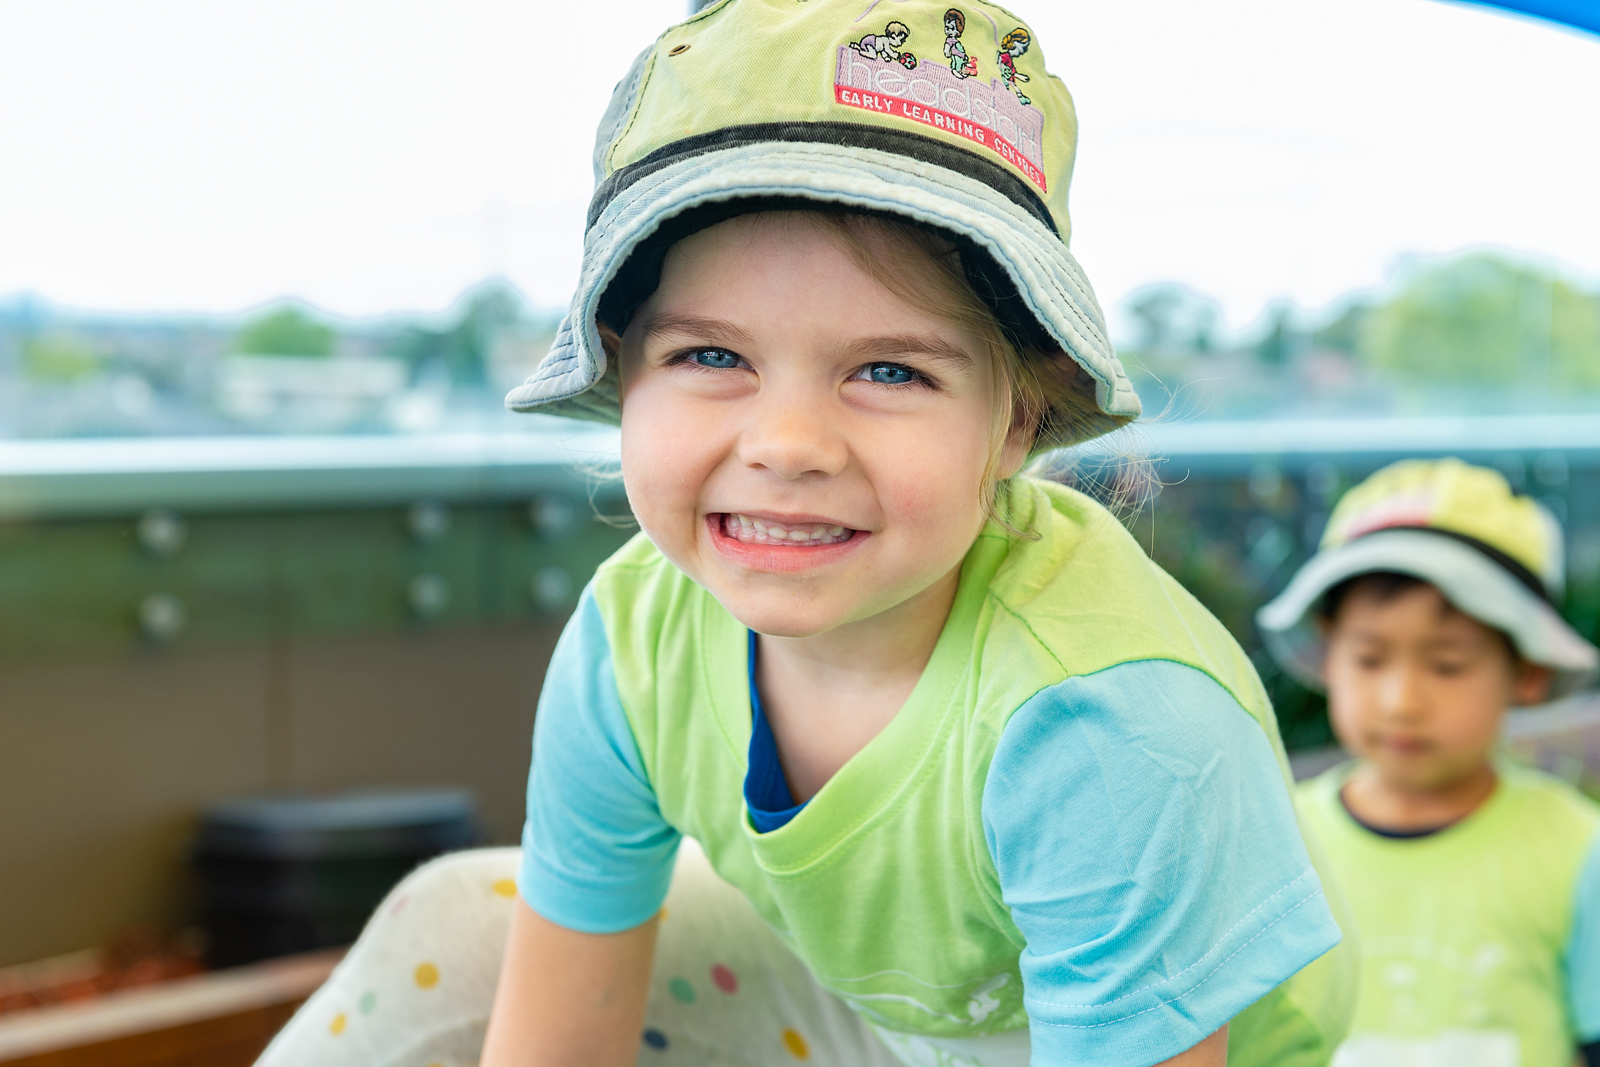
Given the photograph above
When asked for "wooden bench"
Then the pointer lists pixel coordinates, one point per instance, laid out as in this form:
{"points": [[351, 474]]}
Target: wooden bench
{"points": [[220, 1019]]}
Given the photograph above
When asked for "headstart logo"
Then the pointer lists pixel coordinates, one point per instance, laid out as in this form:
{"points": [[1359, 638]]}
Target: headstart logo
{"points": [[879, 73]]}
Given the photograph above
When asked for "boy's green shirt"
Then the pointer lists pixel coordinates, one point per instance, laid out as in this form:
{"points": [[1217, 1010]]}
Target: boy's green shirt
{"points": [[1464, 932]]}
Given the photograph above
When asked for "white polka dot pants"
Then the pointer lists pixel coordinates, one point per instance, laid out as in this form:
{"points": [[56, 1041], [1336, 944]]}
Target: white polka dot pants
{"points": [[416, 989]]}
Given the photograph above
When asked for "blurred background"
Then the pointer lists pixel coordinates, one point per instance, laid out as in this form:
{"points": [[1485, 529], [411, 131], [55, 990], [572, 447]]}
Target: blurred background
{"points": [[267, 532]]}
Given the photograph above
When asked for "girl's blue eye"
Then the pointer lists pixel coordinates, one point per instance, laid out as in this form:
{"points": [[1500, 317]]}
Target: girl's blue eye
{"points": [[715, 359], [891, 374]]}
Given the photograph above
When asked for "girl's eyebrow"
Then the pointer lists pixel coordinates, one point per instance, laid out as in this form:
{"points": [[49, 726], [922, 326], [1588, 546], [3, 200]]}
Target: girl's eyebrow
{"points": [[714, 330], [935, 348]]}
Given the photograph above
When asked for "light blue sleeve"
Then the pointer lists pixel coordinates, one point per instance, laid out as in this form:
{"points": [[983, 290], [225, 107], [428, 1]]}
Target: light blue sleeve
{"points": [[596, 854], [1147, 847], [1583, 952]]}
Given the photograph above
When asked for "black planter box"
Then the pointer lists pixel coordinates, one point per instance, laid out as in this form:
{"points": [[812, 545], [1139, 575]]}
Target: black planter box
{"points": [[286, 874]]}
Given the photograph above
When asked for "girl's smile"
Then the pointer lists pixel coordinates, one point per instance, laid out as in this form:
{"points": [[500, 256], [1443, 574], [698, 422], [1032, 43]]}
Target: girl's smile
{"points": [[763, 542]]}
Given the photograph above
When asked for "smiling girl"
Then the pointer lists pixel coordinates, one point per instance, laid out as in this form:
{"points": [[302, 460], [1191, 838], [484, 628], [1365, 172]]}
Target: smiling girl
{"points": [[988, 787]]}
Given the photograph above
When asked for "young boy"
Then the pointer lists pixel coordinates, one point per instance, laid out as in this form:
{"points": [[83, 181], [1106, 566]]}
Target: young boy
{"points": [[1475, 885]]}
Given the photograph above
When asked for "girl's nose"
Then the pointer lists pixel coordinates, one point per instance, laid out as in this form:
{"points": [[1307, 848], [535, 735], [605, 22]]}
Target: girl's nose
{"points": [[793, 436]]}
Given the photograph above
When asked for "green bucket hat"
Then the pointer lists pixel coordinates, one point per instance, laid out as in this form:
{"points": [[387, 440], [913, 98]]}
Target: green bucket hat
{"points": [[939, 115], [1494, 555]]}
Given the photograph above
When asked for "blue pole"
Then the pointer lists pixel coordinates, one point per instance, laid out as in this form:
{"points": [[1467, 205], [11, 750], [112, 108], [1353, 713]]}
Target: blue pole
{"points": [[1583, 14]]}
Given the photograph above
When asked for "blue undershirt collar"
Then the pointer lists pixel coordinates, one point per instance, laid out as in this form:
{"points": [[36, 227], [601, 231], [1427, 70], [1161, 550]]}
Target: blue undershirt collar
{"points": [[766, 791]]}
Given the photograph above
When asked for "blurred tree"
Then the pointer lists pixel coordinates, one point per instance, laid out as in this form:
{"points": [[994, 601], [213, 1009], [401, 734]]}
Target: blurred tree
{"points": [[1481, 320], [1277, 344], [1173, 318], [461, 350], [59, 358], [1345, 331], [286, 331]]}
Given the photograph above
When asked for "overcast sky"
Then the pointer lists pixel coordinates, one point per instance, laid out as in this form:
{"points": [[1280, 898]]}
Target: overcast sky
{"points": [[373, 157]]}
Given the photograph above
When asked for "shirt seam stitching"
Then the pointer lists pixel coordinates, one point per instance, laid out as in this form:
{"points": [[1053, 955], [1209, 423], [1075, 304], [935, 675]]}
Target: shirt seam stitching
{"points": [[1212, 948], [1161, 1004]]}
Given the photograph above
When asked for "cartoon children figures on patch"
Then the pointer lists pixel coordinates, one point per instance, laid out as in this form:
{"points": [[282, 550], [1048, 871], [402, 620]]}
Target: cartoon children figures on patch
{"points": [[1012, 46], [886, 45], [961, 64]]}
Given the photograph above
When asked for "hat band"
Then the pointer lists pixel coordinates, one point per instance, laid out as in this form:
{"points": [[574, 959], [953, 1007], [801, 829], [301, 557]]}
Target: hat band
{"points": [[843, 134], [1518, 570]]}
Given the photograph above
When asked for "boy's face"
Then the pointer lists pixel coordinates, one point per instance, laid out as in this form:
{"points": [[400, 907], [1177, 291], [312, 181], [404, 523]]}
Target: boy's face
{"points": [[1418, 688], [770, 381]]}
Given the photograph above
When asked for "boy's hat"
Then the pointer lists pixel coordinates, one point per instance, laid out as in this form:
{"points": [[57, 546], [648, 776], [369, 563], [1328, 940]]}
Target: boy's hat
{"points": [[942, 115], [1494, 555]]}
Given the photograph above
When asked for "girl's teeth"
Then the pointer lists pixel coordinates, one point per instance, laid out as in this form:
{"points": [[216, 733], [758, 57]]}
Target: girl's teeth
{"points": [[760, 532]]}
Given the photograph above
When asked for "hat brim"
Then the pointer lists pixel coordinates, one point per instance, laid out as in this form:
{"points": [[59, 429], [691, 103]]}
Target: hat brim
{"points": [[1472, 582], [574, 378]]}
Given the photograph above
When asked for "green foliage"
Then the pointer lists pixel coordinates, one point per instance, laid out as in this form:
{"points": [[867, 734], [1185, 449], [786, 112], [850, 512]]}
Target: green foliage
{"points": [[1481, 320], [1344, 333], [1173, 317], [59, 358], [286, 331], [462, 349], [1276, 346]]}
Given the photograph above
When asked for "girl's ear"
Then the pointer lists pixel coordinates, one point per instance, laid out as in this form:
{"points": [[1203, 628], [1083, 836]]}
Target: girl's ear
{"points": [[1018, 442]]}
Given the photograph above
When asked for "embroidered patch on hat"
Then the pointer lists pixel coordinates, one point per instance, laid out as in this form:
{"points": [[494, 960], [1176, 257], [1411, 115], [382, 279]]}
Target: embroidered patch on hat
{"points": [[1405, 509], [878, 71]]}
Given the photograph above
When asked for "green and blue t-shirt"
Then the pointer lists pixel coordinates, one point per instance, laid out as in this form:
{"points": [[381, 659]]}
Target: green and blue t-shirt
{"points": [[1481, 941], [1078, 823]]}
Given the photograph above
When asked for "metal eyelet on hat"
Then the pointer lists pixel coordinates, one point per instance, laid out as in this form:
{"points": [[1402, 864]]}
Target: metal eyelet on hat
{"points": [[678, 50]]}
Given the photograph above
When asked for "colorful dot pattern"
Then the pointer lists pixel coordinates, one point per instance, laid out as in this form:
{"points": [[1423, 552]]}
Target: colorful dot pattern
{"points": [[722, 977], [426, 976], [796, 1045]]}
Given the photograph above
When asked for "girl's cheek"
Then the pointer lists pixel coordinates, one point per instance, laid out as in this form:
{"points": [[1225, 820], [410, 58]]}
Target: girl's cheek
{"points": [[666, 459], [938, 471], [920, 491], [655, 482]]}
